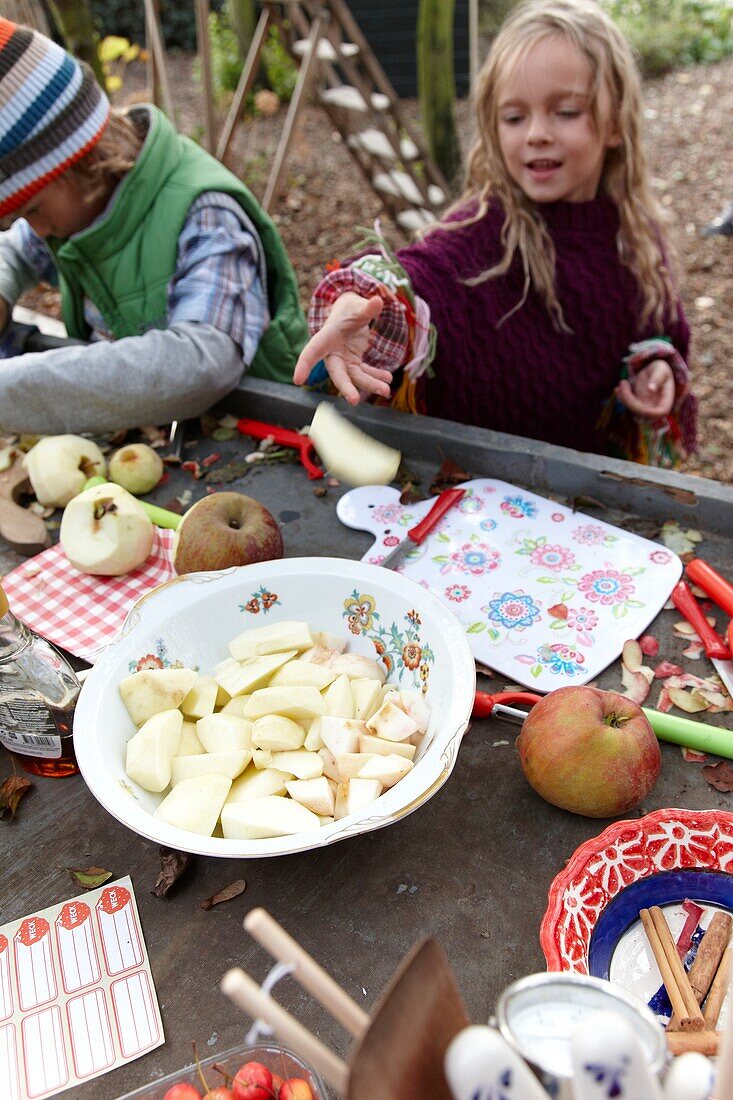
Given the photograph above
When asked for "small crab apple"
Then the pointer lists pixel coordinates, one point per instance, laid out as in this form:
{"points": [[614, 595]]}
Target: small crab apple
{"points": [[295, 1088], [221, 1092], [277, 1083], [182, 1092], [253, 1081]]}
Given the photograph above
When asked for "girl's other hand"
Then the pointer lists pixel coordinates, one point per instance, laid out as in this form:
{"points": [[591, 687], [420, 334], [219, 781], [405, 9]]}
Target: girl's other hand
{"points": [[651, 394], [341, 344]]}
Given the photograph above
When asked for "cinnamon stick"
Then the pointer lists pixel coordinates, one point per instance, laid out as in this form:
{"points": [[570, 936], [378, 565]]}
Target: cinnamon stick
{"points": [[718, 989], [703, 1042], [707, 960], [677, 984]]}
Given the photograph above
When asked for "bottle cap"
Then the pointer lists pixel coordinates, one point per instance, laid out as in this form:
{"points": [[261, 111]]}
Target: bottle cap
{"points": [[4, 605]]}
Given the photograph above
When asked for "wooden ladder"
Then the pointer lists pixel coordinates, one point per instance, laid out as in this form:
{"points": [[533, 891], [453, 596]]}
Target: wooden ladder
{"points": [[335, 59]]}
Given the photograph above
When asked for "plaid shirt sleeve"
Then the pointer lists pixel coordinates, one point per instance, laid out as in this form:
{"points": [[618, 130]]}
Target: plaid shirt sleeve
{"points": [[221, 274], [390, 341]]}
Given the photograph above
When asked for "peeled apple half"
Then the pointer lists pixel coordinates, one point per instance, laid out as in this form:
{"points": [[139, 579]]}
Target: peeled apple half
{"points": [[348, 453]]}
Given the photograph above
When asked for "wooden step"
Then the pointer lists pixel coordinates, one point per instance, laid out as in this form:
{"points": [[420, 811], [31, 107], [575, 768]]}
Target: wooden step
{"points": [[403, 186], [377, 144], [326, 49], [351, 98]]}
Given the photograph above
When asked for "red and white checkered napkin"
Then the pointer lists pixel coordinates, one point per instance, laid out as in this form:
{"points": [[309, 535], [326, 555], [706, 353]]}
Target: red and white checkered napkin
{"points": [[80, 613]]}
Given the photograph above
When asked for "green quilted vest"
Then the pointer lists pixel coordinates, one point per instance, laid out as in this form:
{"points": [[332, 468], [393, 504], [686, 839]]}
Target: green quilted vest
{"points": [[124, 262]]}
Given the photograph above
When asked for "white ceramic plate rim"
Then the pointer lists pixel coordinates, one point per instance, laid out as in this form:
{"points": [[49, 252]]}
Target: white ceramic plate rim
{"points": [[428, 776]]}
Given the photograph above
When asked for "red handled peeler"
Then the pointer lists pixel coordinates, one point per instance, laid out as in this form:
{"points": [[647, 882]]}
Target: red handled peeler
{"points": [[288, 438], [485, 704]]}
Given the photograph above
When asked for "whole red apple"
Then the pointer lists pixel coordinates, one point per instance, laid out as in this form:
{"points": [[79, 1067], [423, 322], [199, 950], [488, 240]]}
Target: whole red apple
{"points": [[589, 751], [253, 1081], [182, 1092], [295, 1088], [225, 529]]}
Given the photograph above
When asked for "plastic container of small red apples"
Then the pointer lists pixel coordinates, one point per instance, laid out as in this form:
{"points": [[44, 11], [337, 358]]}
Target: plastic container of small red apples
{"points": [[278, 1060]]}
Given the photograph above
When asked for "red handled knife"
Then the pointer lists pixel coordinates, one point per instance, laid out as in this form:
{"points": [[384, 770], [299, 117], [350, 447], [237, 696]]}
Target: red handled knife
{"points": [[420, 531], [715, 648]]}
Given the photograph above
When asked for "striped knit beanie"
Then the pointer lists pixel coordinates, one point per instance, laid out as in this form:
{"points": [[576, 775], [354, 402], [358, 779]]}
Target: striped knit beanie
{"points": [[52, 112]]}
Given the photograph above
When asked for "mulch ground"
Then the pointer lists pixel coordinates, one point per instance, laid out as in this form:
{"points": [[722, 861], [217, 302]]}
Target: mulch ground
{"points": [[688, 121]]}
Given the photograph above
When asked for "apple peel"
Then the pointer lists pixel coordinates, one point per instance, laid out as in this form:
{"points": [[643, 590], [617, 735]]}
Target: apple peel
{"points": [[636, 683], [687, 701]]}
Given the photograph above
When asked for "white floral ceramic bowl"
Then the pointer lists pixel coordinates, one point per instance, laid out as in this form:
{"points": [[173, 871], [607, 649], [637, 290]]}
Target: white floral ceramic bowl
{"points": [[189, 622]]}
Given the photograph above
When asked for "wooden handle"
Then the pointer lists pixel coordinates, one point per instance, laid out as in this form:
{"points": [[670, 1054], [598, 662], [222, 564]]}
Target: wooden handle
{"points": [[311, 976], [247, 995]]}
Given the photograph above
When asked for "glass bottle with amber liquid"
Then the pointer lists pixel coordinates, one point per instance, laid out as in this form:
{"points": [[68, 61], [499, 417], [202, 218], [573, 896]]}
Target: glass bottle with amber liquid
{"points": [[38, 693]]}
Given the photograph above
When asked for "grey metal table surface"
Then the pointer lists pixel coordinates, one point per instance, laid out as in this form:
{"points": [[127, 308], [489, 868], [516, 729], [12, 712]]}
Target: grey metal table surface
{"points": [[472, 866]]}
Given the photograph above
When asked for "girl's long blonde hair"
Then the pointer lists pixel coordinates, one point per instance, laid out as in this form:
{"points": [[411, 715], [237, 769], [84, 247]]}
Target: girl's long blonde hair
{"points": [[625, 177]]}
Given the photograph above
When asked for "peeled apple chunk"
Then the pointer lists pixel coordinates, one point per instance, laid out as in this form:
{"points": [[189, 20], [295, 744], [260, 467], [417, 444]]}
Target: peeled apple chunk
{"points": [[59, 465], [147, 692], [151, 751], [348, 453], [195, 804], [228, 764], [105, 531], [274, 638], [271, 815]]}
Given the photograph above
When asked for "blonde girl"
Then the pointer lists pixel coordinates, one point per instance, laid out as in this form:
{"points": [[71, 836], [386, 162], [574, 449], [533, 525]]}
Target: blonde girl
{"points": [[543, 303]]}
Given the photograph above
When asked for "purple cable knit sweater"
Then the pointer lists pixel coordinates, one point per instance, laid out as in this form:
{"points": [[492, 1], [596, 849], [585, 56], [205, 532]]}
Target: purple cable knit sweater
{"points": [[524, 377]]}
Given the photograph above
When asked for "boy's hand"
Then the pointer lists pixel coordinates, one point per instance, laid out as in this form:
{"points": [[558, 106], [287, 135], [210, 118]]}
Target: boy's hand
{"points": [[652, 392], [341, 343]]}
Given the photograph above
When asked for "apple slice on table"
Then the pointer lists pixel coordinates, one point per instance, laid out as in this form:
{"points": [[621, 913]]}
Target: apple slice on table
{"points": [[315, 794], [148, 692], [195, 804], [228, 764], [303, 674], [238, 677], [150, 752], [391, 723], [292, 702], [348, 453], [59, 466], [273, 638], [269, 816], [105, 531], [201, 699], [299, 762], [224, 733], [278, 734], [256, 784], [339, 699], [387, 769], [377, 746], [189, 744]]}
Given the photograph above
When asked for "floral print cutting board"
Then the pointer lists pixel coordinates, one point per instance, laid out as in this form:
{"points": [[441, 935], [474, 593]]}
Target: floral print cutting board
{"points": [[546, 595]]}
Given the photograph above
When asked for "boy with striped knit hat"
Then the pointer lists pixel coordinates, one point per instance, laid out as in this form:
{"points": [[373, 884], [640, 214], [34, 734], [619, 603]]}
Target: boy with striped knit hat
{"points": [[167, 265]]}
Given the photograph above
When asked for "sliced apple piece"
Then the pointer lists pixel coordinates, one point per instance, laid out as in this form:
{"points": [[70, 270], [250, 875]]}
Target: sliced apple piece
{"points": [[313, 740], [271, 815], [341, 804], [387, 769], [155, 689], [303, 674], [238, 677], [278, 734], [357, 667], [361, 792], [350, 764], [195, 803], [330, 767], [228, 764], [253, 783], [273, 638], [415, 704], [292, 702], [318, 655], [330, 641], [235, 706], [338, 698], [201, 699], [189, 744], [224, 733], [391, 723], [261, 758], [341, 735], [151, 751], [367, 695], [379, 747], [350, 454], [315, 794], [300, 763]]}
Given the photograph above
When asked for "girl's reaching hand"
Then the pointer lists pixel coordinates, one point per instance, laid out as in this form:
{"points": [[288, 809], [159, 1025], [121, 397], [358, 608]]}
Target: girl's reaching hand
{"points": [[651, 394], [341, 344]]}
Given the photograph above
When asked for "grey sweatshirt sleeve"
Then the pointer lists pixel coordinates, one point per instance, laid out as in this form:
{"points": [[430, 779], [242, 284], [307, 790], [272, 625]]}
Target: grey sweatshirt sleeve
{"points": [[24, 261], [164, 375]]}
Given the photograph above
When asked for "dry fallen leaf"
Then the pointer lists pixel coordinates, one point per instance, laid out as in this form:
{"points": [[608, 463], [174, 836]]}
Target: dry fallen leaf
{"points": [[11, 792], [558, 611], [172, 866], [233, 890], [720, 775], [89, 878], [450, 473], [679, 541]]}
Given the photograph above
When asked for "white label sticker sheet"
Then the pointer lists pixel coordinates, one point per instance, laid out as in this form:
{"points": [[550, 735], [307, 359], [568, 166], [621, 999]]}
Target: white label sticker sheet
{"points": [[76, 993]]}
